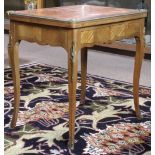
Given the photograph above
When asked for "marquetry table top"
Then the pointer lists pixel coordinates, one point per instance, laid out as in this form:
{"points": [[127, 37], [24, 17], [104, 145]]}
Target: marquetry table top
{"points": [[77, 14]]}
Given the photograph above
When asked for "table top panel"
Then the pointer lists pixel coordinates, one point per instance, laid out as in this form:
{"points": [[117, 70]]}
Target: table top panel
{"points": [[76, 12], [76, 16]]}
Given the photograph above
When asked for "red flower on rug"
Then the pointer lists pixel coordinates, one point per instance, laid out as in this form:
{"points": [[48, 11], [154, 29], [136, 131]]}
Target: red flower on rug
{"points": [[44, 110], [116, 138]]}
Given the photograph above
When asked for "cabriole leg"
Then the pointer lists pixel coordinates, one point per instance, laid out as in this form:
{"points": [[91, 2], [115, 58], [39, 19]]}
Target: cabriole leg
{"points": [[137, 69], [72, 83], [83, 73]]}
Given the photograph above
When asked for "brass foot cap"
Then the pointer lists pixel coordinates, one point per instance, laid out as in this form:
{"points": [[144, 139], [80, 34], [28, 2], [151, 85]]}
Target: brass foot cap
{"points": [[139, 117], [12, 125], [71, 145]]}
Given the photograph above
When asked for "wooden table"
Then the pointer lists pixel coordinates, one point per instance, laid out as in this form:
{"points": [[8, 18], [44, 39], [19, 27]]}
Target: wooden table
{"points": [[74, 28]]}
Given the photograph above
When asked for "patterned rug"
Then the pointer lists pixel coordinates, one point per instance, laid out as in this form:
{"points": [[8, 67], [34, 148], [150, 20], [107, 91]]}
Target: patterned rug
{"points": [[105, 125]]}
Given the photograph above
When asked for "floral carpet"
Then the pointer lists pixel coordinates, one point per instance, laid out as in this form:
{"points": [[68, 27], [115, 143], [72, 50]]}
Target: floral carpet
{"points": [[105, 125]]}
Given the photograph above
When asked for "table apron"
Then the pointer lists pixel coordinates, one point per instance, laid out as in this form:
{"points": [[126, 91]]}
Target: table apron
{"points": [[41, 34], [109, 33], [87, 37]]}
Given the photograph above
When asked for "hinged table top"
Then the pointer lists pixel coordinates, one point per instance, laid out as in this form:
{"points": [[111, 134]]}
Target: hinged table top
{"points": [[76, 15]]}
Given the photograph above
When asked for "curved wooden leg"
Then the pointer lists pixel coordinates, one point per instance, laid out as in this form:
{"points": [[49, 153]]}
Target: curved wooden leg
{"points": [[72, 83], [9, 51], [16, 80], [137, 69], [83, 73]]}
